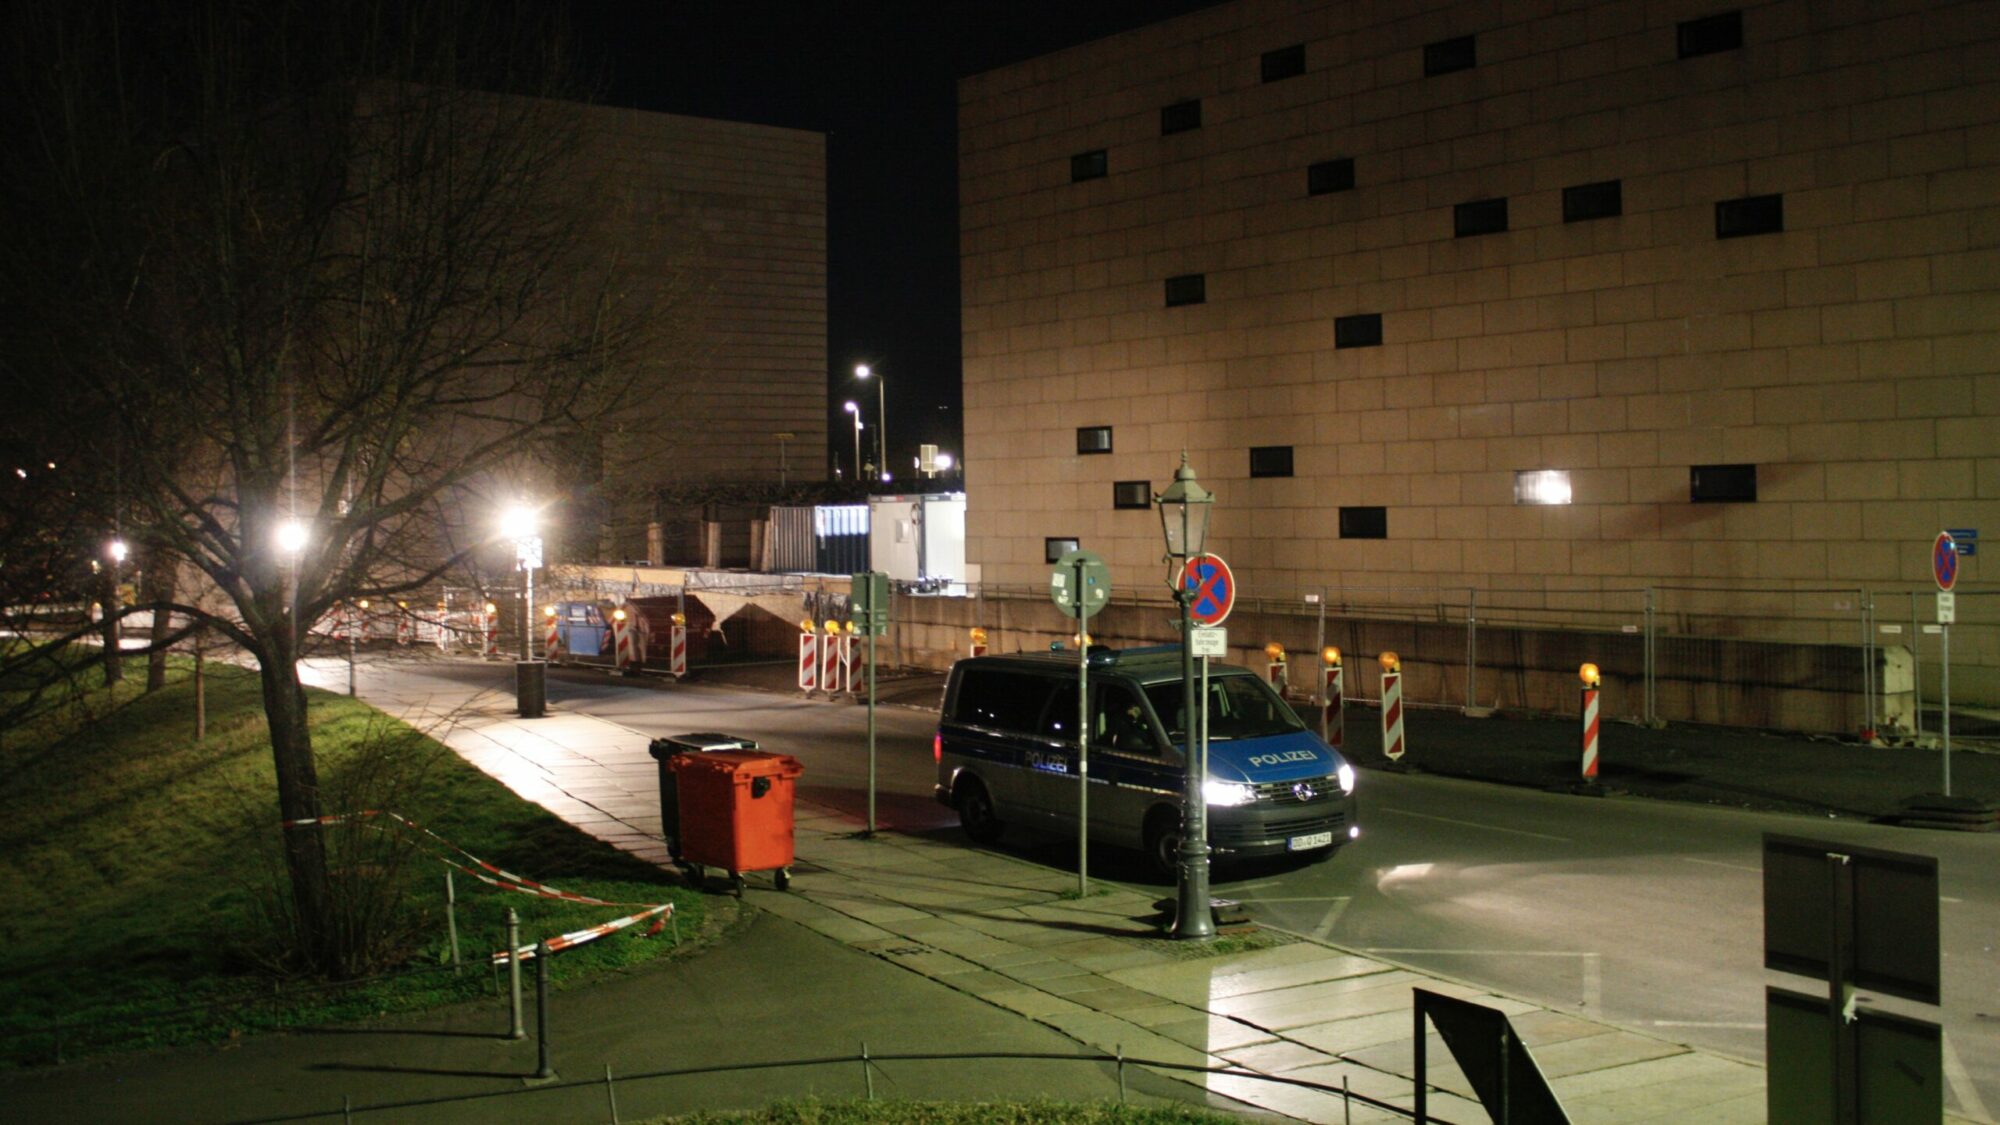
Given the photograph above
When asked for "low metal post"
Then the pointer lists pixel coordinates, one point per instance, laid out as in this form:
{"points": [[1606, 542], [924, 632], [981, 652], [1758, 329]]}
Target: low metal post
{"points": [[1471, 647], [1421, 1077], [1121, 1074], [867, 1074], [346, 1109], [611, 1093], [543, 1069], [1916, 667], [518, 1031], [451, 918]]}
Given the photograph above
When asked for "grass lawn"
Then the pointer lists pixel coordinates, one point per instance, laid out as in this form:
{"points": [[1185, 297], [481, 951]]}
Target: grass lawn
{"points": [[138, 857]]}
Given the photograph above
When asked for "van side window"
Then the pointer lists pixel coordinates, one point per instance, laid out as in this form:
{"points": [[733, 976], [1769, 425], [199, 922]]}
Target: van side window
{"points": [[1059, 715], [991, 697], [1120, 722]]}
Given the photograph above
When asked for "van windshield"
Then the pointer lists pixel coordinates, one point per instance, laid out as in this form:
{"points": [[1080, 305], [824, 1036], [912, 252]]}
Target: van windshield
{"points": [[1239, 706]]}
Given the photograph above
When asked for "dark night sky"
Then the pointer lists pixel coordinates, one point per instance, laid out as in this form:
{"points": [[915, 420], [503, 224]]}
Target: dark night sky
{"points": [[880, 80]]}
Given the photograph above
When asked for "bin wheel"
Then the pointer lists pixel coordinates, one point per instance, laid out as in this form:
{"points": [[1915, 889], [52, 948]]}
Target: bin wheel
{"points": [[784, 878], [695, 875], [736, 883]]}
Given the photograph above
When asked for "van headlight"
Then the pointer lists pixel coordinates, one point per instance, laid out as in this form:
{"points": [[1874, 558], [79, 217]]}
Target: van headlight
{"points": [[1227, 793], [1345, 775]]}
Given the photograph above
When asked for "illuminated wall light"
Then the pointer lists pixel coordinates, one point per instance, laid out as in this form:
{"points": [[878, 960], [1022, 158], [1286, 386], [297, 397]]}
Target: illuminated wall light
{"points": [[1541, 486]]}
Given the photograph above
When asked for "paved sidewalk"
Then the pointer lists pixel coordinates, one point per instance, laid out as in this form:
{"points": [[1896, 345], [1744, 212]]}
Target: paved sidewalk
{"points": [[1003, 930]]}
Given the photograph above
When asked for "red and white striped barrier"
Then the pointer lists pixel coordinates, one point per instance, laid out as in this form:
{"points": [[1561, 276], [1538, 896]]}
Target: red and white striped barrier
{"points": [[808, 661], [978, 647], [489, 628], [677, 651], [830, 663], [1277, 672], [1392, 715], [403, 626], [551, 639], [1333, 724], [1590, 734], [625, 644], [852, 674]]}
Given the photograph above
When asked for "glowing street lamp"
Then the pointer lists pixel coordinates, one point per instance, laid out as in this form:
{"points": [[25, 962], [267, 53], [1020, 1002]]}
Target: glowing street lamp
{"points": [[855, 409], [863, 371], [1184, 508]]}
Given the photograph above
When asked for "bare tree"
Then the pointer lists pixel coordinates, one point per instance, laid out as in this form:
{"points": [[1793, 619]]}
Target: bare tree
{"points": [[318, 275]]}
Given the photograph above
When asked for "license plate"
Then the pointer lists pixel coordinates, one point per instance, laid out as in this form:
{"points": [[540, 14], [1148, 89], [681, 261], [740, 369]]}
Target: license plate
{"points": [[1307, 843]]}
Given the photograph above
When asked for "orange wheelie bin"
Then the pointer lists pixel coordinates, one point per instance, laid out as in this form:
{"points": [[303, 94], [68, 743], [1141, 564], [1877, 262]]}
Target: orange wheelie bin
{"points": [[736, 813]]}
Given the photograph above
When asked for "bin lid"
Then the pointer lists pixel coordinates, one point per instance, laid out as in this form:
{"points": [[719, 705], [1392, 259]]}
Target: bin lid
{"points": [[740, 763], [698, 742]]}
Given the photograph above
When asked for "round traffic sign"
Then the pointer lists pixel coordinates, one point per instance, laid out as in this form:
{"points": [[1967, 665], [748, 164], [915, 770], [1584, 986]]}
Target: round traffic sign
{"points": [[1080, 584], [1213, 587], [1944, 560]]}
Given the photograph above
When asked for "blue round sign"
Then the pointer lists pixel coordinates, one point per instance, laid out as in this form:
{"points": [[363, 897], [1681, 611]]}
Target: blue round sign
{"points": [[1944, 560], [1208, 578]]}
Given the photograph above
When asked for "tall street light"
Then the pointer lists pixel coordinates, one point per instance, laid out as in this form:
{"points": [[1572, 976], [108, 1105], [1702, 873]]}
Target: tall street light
{"points": [[522, 524], [863, 371], [854, 408], [1184, 508], [291, 539]]}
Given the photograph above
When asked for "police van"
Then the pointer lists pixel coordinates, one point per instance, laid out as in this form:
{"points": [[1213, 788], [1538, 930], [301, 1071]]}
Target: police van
{"points": [[1006, 751]]}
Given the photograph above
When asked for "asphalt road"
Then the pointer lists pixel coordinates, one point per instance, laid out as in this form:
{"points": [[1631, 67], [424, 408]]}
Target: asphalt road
{"points": [[1642, 913]]}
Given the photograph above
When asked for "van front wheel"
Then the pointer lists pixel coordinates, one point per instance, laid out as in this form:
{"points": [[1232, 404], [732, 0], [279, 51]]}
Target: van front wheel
{"points": [[975, 812], [1163, 843]]}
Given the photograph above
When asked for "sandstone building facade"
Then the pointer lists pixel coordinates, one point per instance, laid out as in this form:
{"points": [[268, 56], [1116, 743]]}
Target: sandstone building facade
{"points": [[1539, 298]]}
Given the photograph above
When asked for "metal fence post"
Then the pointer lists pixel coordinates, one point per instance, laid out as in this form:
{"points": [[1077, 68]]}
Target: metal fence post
{"points": [[1867, 608], [1916, 666], [1652, 672], [1471, 646], [543, 1069], [517, 1031], [451, 918], [611, 1093], [867, 1075]]}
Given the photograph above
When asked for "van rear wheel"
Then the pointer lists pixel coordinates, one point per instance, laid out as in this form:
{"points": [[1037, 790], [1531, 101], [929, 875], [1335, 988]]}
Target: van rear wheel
{"points": [[975, 812], [1163, 843]]}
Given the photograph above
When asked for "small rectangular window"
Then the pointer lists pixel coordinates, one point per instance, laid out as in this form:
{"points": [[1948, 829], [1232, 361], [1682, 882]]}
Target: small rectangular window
{"points": [[1053, 549], [1132, 494], [1483, 216], [1710, 35], [1187, 289], [1329, 176], [1753, 214], [1285, 62], [1093, 165], [1364, 523], [1602, 200], [1448, 55], [1361, 331], [1271, 461], [1722, 484], [1541, 486], [1180, 117], [1093, 439]]}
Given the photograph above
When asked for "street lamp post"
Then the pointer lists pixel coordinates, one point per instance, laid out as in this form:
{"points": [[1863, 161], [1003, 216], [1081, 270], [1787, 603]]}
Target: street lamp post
{"points": [[854, 408], [863, 371], [1184, 508], [522, 525]]}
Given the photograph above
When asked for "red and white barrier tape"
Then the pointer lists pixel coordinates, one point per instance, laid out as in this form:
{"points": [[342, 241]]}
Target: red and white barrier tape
{"points": [[508, 881]]}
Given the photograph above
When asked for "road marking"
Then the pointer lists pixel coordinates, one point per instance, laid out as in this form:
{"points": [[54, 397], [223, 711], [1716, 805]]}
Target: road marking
{"points": [[1948, 898], [1705, 1023], [1485, 952], [1719, 863], [1962, 1086], [1476, 824], [1332, 918]]}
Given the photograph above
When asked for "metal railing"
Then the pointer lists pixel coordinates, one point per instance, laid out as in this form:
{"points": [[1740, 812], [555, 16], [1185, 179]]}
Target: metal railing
{"points": [[870, 1064]]}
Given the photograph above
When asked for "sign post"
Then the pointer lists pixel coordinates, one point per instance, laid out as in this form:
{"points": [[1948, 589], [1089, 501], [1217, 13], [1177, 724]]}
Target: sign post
{"points": [[1080, 585], [1944, 568], [868, 609], [1211, 591]]}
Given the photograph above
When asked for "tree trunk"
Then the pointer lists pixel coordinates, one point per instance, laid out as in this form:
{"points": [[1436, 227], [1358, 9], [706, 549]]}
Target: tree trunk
{"points": [[298, 799], [114, 663], [159, 591]]}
